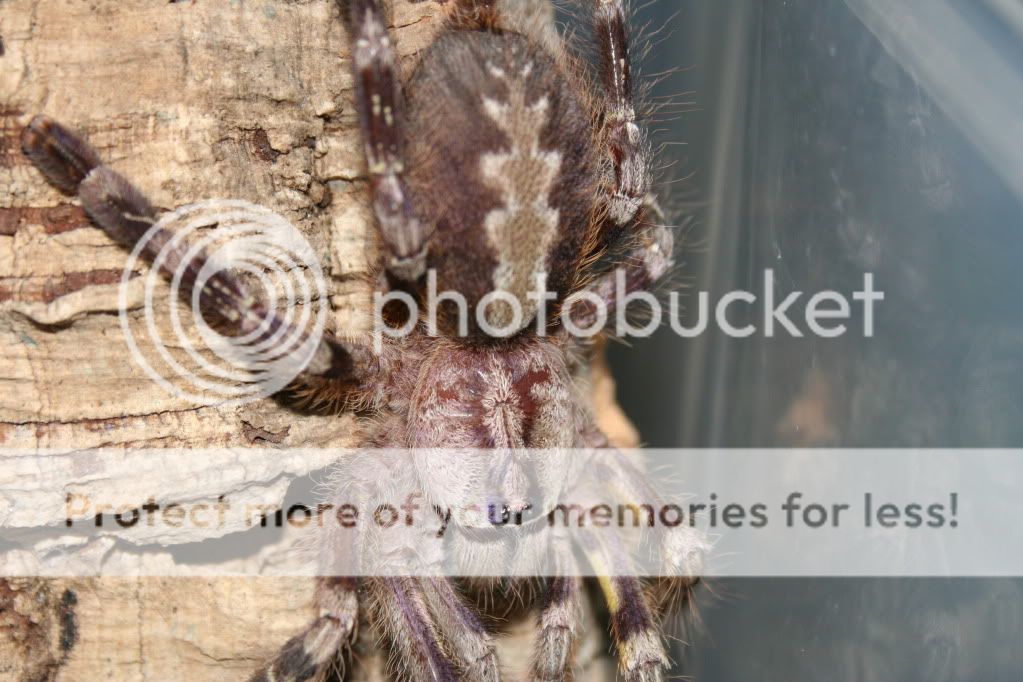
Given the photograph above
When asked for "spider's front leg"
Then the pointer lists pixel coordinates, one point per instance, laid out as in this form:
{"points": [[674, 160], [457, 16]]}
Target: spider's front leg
{"points": [[381, 116], [682, 548], [560, 613], [126, 216], [462, 628], [636, 625], [436, 635], [635, 628]]}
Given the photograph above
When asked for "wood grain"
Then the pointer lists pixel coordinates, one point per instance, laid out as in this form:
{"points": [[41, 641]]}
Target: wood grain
{"points": [[191, 100]]}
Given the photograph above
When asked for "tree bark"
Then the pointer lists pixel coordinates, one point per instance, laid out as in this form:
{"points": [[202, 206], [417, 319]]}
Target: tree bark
{"points": [[190, 100]]}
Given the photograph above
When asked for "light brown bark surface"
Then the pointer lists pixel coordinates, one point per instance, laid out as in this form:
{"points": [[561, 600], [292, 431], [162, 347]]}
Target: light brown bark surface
{"points": [[191, 100]]}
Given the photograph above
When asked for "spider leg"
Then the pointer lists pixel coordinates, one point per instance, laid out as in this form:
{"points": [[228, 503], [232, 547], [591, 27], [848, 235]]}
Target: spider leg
{"points": [[404, 615], [379, 102], [559, 619], [308, 653], [462, 631], [635, 628], [126, 216], [626, 143], [681, 549], [642, 265], [684, 547]]}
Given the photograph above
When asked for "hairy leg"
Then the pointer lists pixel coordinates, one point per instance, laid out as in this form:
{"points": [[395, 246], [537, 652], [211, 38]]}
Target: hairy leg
{"points": [[633, 214], [648, 258], [308, 653], [635, 630], [684, 547], [462, 630], [126, 216], [379, 102], [559, 622], [638, 608], [626, 143], [403, 615]]}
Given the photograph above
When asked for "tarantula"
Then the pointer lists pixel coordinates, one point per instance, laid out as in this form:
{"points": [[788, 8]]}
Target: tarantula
{"points": [[503, 158]]}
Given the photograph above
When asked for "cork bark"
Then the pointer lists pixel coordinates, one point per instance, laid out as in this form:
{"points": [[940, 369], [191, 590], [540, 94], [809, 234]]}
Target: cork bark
{"points": [[191, 100]]}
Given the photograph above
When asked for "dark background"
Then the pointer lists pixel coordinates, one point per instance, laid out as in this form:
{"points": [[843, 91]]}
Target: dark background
{"points": [[811, 147]]}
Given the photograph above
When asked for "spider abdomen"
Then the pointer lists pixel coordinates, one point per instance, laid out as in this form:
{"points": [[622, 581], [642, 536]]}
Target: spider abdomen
{"points": [[501, 169]]}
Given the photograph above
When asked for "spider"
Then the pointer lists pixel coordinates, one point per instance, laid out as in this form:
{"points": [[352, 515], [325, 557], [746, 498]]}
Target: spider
{"points": [[501, 159]]}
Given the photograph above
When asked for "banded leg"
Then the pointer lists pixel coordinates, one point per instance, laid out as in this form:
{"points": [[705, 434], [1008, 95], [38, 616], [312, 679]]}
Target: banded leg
{"points": [[648, 259], [462, 631], [126, 216], [626, 143], [403, 613], [682, 549], [309, 653], [559, 621], [635, 628], [381, 117]]}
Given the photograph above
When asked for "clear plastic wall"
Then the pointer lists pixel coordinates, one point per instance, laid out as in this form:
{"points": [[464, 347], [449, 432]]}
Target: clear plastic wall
{"points": [[824, 139]]}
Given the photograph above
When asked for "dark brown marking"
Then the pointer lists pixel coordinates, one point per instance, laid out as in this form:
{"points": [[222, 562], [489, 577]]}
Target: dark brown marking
{"points": [[50, 289], [257, 434], [68, 621], [74, 281], [260, 143]]}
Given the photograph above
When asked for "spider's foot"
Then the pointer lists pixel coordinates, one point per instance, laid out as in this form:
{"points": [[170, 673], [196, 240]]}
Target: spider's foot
{"points": [[648, 672], [643, 657], [63, 157], [552, 663], [683, 552]]}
